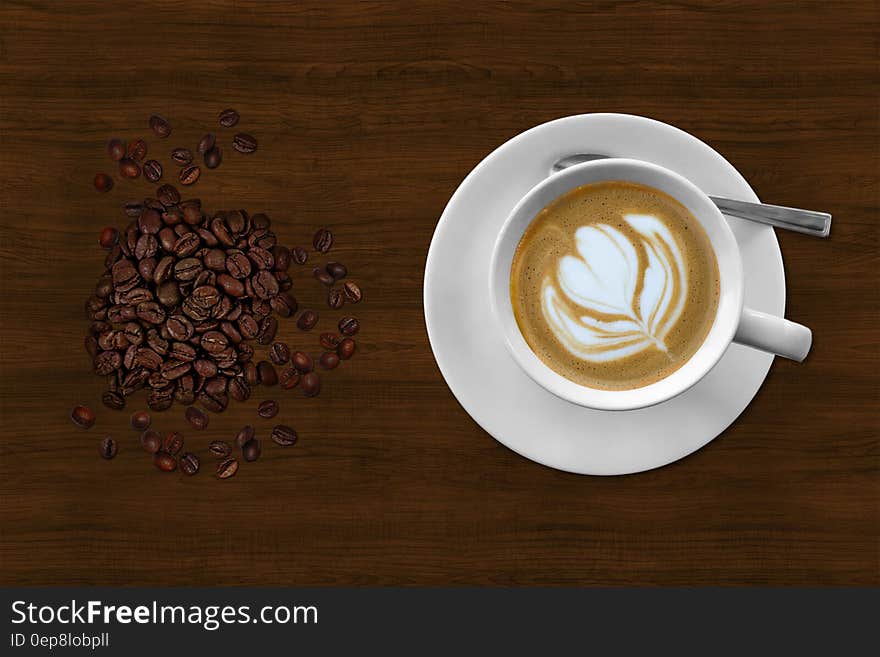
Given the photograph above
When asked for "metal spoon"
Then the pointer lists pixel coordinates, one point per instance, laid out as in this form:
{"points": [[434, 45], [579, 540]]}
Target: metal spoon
{"points": [[808, 222]]}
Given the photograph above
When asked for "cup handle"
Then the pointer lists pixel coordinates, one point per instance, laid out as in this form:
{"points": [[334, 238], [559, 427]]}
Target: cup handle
{"points": [[773, 334]]}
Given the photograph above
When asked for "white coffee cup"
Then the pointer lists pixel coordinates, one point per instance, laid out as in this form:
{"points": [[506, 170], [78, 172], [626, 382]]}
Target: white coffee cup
{"points": [[733, 322]]}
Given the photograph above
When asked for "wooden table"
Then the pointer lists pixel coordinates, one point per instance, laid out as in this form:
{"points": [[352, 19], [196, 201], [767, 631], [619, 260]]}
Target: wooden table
{"points": [[368, 117]]}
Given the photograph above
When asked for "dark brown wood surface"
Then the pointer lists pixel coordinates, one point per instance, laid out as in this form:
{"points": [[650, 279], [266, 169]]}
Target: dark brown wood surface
{"points": [[368, 116]]}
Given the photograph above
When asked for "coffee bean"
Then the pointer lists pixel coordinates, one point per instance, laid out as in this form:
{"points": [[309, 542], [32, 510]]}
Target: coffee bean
{"points": [[335, 298], [189, 463], [346, 349], [251, 450], [267, 409], [299, 255], [189, 174], [228, 118], [244, 436], [239, 389], [214, 157], [172, 443], [151, 441], [206, 143], [322, 240], [322, 276], [165, 462], [284, 436], [108, 238], [160, 126], [289, 378], [279, 353], [152, 170], [219, 448], [244, 143], [82, 416], [113, 400], [137, 150], [302, 362], [181, 156], [108, 448], [151, 312], [133, 209], [329, 360], [352, 292], [349, 326], [267, 373], [116, 149], [261, 258], [238, 265], [337, 270], [103, 182], [168, 195], [129, 168], [146, 247], [197, 418], [227, 468], [281, 256], [140, 420], [307, 320], [268, 329], [284, 304], [311, 384]]}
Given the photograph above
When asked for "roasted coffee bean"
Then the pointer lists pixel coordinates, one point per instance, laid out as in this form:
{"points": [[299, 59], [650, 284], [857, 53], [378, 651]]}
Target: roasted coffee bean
{"points": [[244, 143], [279, 353], [227, 468], [168, 294], [206, 143], [228, 118], [284, 436], [151, 441], [160, 126], [172, 443], [263, 238], [329, 360], [207, 295], [165, 462], [215, 260], [238, 265], [103, 182], [107, 362], [251, 450], [231, 332], [311, 384], [116, 149], [189, 463], [108, 448], [108, 238], [335, 298], [140, 420], [137, 150], [214, 157], [205, 368], [133, 209], [216, 386], [299, 255], [219, 448], [150, 312], [337, 270], [261, 258], [82, 416], [113, 400], [197, 418], [244, 436], [192, 215], [146, 268], [349, 326], [329, 340], [187, 269], [281, 257], [213, 403], [289, 378], [268, 329], [129, 168], [322, 276], [91, 344], [267, 409], [113, 255], [268, 375], [134, 333], [231, 286], [183, 352], [152, 171], [189, 174], [346, 348], [302, 362], [179, 328], [146, 247], [322, 240], [284, 304], [352, 292], [239, 389], [168, 195], [307, 320], [214, 342], [181, 156], [248, 326], [265, 285], [251, 373], [184, 391]]}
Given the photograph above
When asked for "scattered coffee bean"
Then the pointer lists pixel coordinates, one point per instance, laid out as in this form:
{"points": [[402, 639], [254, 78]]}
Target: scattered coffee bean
{"points": [[267, 373], [206, 143], [311, 384], [346, 349], [299, 255], [181, 156], [137, 150], [108, 238], [251, 450], [213, 157], [189, 174], [329, 340], [114, 400], [349, 326], [103, 182], [165, 462], [279, 353], [116, 149], [152, 170], [219, 448], [151, 441], [228, 118], [244, 143], [244, 436], [227, 468], [335, 298], [329, 360], [140, 420], [323, 240], [160, 126], [337, 270], [129, 168], [322, 276], [189, 463], [289, 378], [284, 436], [172, 443], [302, 362], [352, 292], [197, 418], [108, 448], [267, 409], [307, 320]]}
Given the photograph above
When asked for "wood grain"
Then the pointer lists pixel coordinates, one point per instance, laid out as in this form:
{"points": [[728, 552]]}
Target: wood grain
{"points": [[368, 116]]}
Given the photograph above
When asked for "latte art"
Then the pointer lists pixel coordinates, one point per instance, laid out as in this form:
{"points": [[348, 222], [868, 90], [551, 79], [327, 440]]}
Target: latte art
{"points": [[616, 298], [614, 285]]}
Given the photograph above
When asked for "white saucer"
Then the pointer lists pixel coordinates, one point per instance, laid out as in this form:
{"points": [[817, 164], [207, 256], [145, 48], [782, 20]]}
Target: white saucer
{"points": [[470, 352]]}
